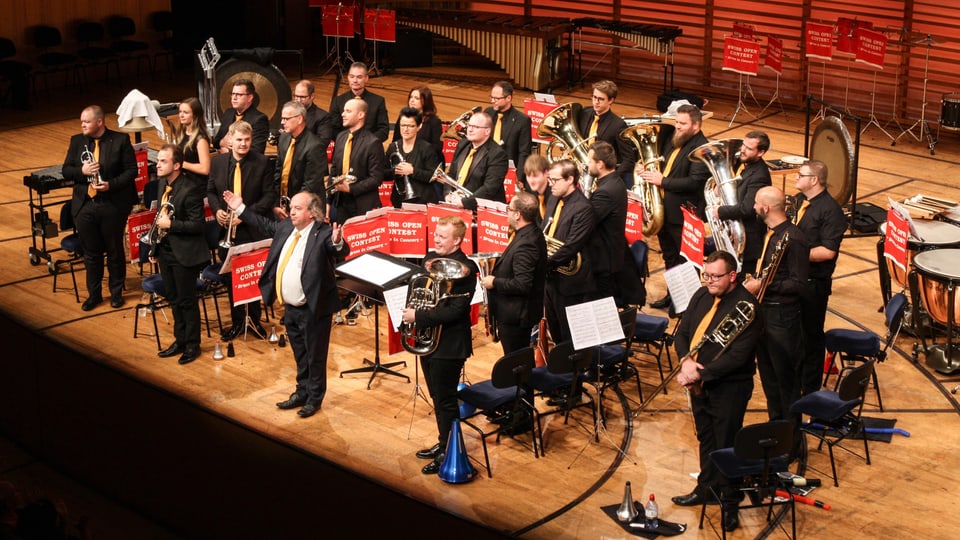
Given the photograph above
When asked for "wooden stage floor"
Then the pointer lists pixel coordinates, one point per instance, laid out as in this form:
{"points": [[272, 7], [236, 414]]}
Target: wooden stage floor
{"points": [[375, 432]]}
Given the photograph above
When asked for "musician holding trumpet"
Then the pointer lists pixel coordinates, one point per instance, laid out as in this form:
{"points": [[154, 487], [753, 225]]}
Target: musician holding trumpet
{"points": [[357, 168], [411, 162]]}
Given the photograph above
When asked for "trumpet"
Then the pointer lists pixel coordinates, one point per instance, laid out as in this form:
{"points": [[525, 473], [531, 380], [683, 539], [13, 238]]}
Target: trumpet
{"points": [[156, 234], [227, 241], [397, 159], [87, 157], [449, 181], [334, 181], [457, 127], [485, 262]]}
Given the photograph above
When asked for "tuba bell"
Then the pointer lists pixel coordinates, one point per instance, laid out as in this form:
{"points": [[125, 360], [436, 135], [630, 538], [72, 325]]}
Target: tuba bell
{"points": [[644, 136], [426, 291], [560, 125], [721, 190]]}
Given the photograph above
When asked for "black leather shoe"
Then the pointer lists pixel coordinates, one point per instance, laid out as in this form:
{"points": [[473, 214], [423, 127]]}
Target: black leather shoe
{"points": [[189, 355], [91, 303], [429, 453], [731, 520], [231, 333], [292, 402], [662, 303], [172, 350], [694, 498], [308, 410], [116, 301], [434, 466]]}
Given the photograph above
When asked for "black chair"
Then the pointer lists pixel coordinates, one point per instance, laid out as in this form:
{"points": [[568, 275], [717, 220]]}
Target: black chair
{"points": [[759, 452], [16, 91], [163, 22], [835, 416], [505, 401], [52, 59], [121, 29], [562, 374], [91, 35], [71, 245]]}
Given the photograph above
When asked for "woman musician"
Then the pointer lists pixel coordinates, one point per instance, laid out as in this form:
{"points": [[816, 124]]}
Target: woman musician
{"points": [[411, 162]]}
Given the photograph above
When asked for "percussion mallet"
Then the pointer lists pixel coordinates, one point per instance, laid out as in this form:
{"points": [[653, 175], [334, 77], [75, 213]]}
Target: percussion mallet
{"points": [[955, 388], [802, 499]]}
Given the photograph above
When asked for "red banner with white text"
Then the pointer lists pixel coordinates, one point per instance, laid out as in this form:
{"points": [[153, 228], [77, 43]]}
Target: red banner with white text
{"points": [[691, 237], [247, 268]]}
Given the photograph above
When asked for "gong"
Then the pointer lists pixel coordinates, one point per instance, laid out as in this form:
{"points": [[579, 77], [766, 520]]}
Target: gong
{"points": [[831, 144], [272, 87]]}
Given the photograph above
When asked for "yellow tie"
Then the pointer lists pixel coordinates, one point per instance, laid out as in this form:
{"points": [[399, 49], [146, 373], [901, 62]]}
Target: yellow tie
{"points": [[236, 180], [347, 150], [766, 242], [673, 157], [497, 129], [543, 205], [704, 324], [465, 167], [802, 211], [594, 126], [96, 157], [166, 195], [238, 118], [287, 164], [283, 265], [555, 219]]}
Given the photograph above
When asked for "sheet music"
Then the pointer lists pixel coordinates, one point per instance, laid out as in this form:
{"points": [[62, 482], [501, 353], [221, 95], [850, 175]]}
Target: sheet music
{"points": [[373, 270], [546, 98], [594, 323], [396, 301], [905, 214], [682, 281]]}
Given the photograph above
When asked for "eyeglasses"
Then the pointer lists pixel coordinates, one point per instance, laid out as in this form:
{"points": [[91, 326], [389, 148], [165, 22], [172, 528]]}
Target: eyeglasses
{"points": [[553, 180], [714, 277], [512, 209], [302, 97], [239, 94], [497, 98], [477, 127], [287, 118], [408, 126], [801, 175]]}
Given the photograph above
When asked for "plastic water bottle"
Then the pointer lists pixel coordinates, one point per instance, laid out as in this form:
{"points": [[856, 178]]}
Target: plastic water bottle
{"points": [[650, 513]]}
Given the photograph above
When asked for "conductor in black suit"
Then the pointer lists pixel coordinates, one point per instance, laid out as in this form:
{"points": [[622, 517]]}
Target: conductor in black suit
{"points": [[608, 247], [358, 153], [604, 125], [182, 252], [479, 165], [301, 159], [516, 285], [376, 118], [511, 127], [441, 368], [319, 121], [242, 98], [100, 210]]}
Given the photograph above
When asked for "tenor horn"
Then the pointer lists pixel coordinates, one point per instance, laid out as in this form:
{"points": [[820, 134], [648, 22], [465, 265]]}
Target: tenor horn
{"points": [[644, 137], [560, 125], [721, 190], [456, 128], [485, 262]]}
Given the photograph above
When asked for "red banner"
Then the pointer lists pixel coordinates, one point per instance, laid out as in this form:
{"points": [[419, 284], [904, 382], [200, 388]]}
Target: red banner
{"points": [[380, 25], [366, 235], [492, 230], [536, 110], [742, 30], [384, 190], [246, 269], [741, 56], [407, 230], [143, 167], [449, 148], [436, 211], [138, 224], [871, 47], [510, 183], [691, 238], [338, 20], [819, 41], [330, 152], [895, 242], [847, 33], [634, 229], [774, 56]]}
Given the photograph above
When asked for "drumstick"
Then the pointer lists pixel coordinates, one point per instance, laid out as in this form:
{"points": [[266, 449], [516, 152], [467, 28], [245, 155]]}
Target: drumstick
{"points": [[802, 499]]}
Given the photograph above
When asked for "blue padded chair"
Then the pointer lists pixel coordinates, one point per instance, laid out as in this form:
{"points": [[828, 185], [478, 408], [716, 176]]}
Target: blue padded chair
{"points": [[562, 373], [151, 285], [71, 245]]}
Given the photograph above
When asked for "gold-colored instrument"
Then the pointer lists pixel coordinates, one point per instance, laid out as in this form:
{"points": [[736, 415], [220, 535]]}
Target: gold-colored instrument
{"points": [[770, 270], [441, 177], [285, 203], [87, 157], [721, 190], [458, 127], [156, 234], [485, 262], [227, 241], [554, 245], [644, 137], [334, 181], [397, 159], [426, 291], [560, 125]]}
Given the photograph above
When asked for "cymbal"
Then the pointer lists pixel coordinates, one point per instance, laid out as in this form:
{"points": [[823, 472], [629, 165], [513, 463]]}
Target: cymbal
{"points": [[917, 38]]}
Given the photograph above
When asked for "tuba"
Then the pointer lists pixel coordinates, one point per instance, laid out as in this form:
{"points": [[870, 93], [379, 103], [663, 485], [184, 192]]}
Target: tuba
{"points": [[729, 234], [560, 125], [644, 137], [457, 127], [426, 291], [441, 177], [156, 234]]}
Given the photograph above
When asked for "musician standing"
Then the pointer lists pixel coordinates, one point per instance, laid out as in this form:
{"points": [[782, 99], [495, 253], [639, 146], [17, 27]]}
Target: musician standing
{"points": [[682, 182], [782, 348], [516, 285], [511, 127], [249, 173], [603, 124], [570, 220], [301, 158], [357, 153], [479, 165], [183, 251], [725, 380], [821, 219], [319, 121], [431, 127], [299, 273], [192, 137], [608, 247], [241, 98], [412, 160], [100, 210], [441, 368], [376, 113]]}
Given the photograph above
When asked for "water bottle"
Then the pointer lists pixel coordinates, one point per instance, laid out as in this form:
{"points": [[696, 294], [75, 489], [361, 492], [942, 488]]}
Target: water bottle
{"points": [[650, 513]]}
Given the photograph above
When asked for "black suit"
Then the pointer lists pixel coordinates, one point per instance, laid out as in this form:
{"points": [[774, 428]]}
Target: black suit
{"points": [[608, 246], [515, 138], [487, 171], [101, 221], [683, 184], [308, 325], [257, 120], [574, 228], [755, 176], [376, 120], [309, 167], [516, 299], [320, 123], [608, 130], [424, 161], [366, 163], [182, 254], [430, 132]]}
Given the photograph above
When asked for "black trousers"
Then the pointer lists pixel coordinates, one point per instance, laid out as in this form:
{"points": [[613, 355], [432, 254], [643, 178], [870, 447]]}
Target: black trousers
{"points": [[101, 225], [718, 415], [813, 309], [778, 358], [669, 237], [310, 340], [514, 337], [442, 376], [556, 303], [180, 283]]}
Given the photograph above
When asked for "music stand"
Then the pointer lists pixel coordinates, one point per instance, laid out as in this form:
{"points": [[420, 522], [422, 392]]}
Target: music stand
{"points": [[379, 25], [922, 123], [338, 23], [234, 251], [369, 275]]}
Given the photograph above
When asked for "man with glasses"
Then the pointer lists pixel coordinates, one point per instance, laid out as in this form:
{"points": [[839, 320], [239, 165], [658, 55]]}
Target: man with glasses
{"points": [[511, 128], [516, 285], [603, 124], [301, 159], [722, 380], [241, 98], [376, 118], [319, 121], [821, 219], [479, 165]]}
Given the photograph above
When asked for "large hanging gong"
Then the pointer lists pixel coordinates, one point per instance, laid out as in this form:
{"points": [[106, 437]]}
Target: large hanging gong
{"points": [[273, 89], [832, 145]]}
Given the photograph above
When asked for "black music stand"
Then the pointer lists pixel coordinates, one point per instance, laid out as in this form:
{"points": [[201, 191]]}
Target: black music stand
{"points": [[357, 277]]}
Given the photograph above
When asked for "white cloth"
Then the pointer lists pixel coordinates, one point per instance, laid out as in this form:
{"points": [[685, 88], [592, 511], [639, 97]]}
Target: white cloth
{"points": [[137, 104]]}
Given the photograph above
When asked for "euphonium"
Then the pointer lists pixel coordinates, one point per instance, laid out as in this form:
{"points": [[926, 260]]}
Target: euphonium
{"points": [[560, 125], [425, 291], [333, 181], [156, 234], [644, 137], [457, 127], [449, 181], [728, 234], [553, 245]]}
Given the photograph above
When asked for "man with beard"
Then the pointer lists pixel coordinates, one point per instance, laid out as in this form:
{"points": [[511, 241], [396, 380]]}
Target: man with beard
{"points": [[319, 121], [242, 98], [682, 181], [608, 246]]}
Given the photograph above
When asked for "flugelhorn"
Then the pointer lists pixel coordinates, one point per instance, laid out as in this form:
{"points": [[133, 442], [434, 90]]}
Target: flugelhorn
{"points": [[644, 136], [227, 241], [156, 234], [441, 177], [560, 125], [87, 157], [397, 159], [728, 234], [457, 127], [333, 181], [485, 262], [426, 291]]}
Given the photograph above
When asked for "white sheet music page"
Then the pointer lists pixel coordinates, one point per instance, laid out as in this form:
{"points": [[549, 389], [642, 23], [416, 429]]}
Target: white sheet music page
{"points": [[396, 300], [373, 269], [682, 281], [594, 323]]}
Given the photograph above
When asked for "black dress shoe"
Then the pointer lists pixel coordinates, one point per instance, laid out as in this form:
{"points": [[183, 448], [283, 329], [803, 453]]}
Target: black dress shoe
{"points": [[694, 498], [308, 410], [434, 466], [731, 520], [116, 301], [292, 402], [189, 355], [172, 350], [91, 303], [231, 333], [429, 453], [661, 303]]}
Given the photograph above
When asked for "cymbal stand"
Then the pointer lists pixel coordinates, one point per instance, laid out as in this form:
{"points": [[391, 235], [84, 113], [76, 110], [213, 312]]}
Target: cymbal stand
{"points": [[417, 393], [775, 97], [873, 117], [741, 106], [922, 124], [896, 97], [822, 113]]}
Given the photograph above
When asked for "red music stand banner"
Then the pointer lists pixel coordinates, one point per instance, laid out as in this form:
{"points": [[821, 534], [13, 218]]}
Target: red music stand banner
{"points": [[871, 47], [437, 211], [408, 232], [741, 56], [537, 110], [380, 25], [338, 20], [742, 30], [384, 190], [143, 166], [895, 242], [246, 268], [847, 33], [493, 230], [449, 149], [364, 235], [774, 57], [691, 237], [819, 41], [510, 183], [634, 228], [137, 225]]}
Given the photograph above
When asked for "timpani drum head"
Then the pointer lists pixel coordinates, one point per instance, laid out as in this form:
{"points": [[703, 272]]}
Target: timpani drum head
{"points": [[273, 90], [832, 145], [939, 263]]}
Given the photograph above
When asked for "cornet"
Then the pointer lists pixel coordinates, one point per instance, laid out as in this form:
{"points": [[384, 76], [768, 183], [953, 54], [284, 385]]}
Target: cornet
{"points": [[397, 159], [449, 181], [87, 157], [156, 234], [227, 241]]}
